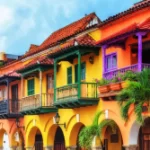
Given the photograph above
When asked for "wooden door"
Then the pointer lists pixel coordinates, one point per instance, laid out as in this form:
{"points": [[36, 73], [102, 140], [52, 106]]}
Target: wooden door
{"points": [[146, 142], [14, 98], [38, 142]]}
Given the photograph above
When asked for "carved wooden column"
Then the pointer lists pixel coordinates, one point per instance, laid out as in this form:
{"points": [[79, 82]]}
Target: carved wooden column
{"points": [[139, 35]]}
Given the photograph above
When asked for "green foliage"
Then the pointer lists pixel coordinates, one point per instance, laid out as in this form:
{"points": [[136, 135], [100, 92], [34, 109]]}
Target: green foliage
{"points": [[102, 82], [130, 75], [137, 92], [88, 133]]}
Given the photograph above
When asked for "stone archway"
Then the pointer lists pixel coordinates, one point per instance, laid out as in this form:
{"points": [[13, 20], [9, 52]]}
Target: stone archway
{"points": [[35, 139], [59, 141], [74, 136], [112, 138]]}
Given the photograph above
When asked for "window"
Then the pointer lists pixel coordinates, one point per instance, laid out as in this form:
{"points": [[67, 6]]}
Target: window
{"points": [[30, 86], [111, 61], [69, 75], [50, 81], [83, 71]]}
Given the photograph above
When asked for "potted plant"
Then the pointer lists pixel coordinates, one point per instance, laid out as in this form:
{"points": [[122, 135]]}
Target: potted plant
{"points": [[103, 85], [128, 76], [115, 84]]}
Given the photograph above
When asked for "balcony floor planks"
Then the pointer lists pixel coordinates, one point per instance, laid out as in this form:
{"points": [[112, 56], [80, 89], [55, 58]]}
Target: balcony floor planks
{"points": [[76, 103], [37, 111]]}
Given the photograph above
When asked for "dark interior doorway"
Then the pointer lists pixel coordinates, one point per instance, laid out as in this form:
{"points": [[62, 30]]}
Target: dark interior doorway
{"points": [[59, 143], [144, 135], [38, 142]]}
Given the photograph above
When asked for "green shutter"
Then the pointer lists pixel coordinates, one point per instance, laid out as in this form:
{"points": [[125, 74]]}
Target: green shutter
{"points": [[69, 75], [31, 87], [83, 71], [76, 73]]}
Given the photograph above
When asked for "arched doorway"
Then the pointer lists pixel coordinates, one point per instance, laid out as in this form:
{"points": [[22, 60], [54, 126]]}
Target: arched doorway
{"points": [[144, 135], [78, 146], [38, 144], [112, 138], [59, 142]]}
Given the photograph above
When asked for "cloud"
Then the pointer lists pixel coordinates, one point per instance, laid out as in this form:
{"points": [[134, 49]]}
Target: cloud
{"points": [[23, 22], [6, 18], [25, 26]]}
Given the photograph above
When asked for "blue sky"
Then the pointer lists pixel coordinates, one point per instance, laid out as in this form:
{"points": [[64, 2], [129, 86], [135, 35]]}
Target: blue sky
{"points": [[25, 22]]}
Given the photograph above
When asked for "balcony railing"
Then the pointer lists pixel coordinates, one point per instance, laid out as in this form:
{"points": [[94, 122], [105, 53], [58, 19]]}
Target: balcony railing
{"points": [[84, 90], [8, 107], [134, 68], [36, 101]]}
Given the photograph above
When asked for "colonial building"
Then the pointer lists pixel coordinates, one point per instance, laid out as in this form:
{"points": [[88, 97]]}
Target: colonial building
{"points": [[49, 94]]}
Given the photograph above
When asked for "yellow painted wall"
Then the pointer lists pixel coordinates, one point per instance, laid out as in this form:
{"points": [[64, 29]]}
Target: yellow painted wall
{"points": [[92, 70], [37, 83], [96, 35]]}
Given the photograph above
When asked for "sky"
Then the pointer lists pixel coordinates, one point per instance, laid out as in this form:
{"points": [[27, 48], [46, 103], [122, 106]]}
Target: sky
{"points": [[25, 22]]}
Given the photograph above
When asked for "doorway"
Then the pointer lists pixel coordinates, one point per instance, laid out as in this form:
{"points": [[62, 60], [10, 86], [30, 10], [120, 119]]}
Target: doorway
{"points": [[59, 143], [38, 142], [14, 98], [144, 135]]}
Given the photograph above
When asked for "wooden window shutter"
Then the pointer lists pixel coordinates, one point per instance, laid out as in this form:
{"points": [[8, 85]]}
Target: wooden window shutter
{"points": [[31, 87], [83, 71], [69, 75], [76, 73]]}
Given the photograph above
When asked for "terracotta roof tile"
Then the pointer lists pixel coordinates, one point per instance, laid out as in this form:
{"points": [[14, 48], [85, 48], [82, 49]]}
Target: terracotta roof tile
{"points": [[11, 74], [41, 60], [85, 40], [64, 33], [138, 6]]}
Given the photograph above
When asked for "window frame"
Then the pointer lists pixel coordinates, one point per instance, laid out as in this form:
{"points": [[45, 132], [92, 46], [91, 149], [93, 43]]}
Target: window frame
{"points": [[110, 56], [69, 76], [83, 71], [31, 91]]}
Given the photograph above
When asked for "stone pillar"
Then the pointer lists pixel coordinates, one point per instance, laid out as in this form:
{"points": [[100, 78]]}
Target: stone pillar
{"points": [[29, 148], [48, 148], [139, 35], [72, 147], [97, 148], [131, 147], [13, 148]]}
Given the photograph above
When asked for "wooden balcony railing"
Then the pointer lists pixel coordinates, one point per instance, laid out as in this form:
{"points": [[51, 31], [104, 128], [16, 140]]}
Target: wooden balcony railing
{"points": [[134, 68], [9, 107], [77, 91], [36, 101]]}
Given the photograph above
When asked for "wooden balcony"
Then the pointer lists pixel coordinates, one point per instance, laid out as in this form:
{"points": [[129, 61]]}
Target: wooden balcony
{"points": [[134, 68], [9, 109], [76, 95], [37, 104]]}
